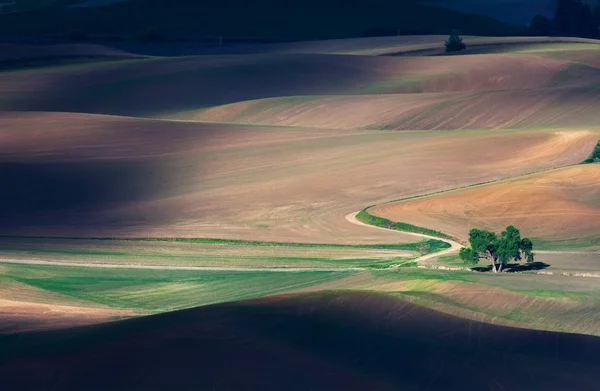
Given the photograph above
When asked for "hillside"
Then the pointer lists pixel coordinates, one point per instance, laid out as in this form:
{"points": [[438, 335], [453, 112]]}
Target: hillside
{"points": [[266, 18], [555, 208], [352, 341]]}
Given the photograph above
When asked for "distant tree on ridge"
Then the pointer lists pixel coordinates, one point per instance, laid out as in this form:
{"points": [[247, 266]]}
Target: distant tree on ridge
{"points": [[455, 43]]}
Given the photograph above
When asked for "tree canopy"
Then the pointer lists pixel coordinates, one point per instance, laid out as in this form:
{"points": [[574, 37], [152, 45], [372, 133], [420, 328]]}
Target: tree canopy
{"points": [[499, 250], [455, 43]]}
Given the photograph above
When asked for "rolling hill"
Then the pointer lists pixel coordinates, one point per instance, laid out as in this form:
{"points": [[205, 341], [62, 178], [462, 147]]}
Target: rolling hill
{"points": [[321, 341], [276, 145]]}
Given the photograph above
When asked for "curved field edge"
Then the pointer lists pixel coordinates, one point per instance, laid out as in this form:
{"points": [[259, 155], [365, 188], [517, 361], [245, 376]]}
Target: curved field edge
{"points": [[364, 217], [594, 156]]}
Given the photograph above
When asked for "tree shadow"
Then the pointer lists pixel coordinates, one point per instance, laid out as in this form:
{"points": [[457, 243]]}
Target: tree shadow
{"points": [[514, 267], [482, 269]]}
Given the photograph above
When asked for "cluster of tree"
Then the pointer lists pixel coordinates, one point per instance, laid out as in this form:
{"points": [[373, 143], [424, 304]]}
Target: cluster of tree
{"points": [[499, 250], [572, 18]]}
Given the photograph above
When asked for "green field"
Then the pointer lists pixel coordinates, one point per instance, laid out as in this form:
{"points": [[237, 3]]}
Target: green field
{"points": [[214, 252], [150, 291]]}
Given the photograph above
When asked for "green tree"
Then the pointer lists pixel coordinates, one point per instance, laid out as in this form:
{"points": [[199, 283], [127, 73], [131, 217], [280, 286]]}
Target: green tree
{"points": [[455, 43], [498, 250]]}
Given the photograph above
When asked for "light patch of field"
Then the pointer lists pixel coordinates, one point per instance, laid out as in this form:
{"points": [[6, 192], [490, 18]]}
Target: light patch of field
{"points": [[535, 108], [552, 206], [345, 112]]}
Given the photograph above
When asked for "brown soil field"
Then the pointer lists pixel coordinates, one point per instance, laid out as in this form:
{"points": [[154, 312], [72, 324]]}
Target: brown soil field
{"points": [[352, 341], [535, 108], [114, 176], [560, 205], [138, 87]]}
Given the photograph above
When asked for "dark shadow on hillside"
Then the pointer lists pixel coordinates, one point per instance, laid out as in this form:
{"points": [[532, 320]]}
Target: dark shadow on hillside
{"points": [[332, 341], [514, 267], [151, 88], [74, 195]]}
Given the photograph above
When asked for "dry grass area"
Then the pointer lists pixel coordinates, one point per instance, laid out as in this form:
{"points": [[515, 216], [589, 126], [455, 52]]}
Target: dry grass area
{"points": [[560, 205]]}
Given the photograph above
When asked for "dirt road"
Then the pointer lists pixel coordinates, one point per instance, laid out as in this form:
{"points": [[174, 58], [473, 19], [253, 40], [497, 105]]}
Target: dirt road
{"points": [[454, 246]]}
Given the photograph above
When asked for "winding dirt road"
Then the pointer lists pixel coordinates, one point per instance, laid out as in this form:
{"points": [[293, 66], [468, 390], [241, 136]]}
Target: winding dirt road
{"points": [[454, 246]]}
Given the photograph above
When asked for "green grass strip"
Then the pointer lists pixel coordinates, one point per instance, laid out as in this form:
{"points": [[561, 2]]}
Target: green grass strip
{"points": [[364, 217], [426, 246]]}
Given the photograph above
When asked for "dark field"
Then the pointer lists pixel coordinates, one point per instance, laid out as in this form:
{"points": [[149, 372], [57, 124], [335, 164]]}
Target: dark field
{"points": [[325, 341]]}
